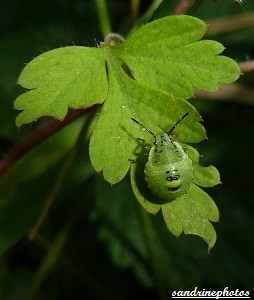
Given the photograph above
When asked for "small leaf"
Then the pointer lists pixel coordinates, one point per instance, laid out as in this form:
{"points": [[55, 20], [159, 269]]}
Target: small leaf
{"points": [[192, 152], [205, 176], [69, 77], [192, 214]]}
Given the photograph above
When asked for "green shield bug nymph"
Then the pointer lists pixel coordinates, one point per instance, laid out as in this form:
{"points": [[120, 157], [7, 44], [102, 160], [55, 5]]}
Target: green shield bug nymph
{"points": [[169, 170]]}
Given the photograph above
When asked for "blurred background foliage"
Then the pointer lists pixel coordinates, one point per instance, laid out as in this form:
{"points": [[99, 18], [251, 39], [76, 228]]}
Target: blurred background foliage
{"points": [[96, 241]]}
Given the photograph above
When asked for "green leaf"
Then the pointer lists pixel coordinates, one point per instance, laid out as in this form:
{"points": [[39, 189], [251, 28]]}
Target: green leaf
{"points": [[147, 78], [192, 152], [114, 139], [166, 53], [192, 214], [70, 77], [205, 176]]}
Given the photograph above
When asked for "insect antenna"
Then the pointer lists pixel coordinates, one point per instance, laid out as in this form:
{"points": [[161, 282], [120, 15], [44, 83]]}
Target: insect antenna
{"points": [[144, 127], [185, 115]]}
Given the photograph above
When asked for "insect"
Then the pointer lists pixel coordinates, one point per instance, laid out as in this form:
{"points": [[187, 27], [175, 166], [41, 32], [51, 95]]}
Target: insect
{"points": [[169, 170]]}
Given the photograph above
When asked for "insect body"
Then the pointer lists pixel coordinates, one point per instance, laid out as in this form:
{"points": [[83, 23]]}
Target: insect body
{"points": [[169, 170]]}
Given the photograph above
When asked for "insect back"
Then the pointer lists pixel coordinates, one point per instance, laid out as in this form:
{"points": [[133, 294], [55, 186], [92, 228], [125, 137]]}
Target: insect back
{"points": [[169, 170]]}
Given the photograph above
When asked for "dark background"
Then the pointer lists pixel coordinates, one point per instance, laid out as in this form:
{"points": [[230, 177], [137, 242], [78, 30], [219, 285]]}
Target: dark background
{"points": [[104, 255]]}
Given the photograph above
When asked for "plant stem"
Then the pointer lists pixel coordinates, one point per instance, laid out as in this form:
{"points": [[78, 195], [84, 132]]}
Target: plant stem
{"points": [[226, 24], [149, 13], [246, 66], [233, 93], [61, 178], [151, 246], [134, 9], [38, 137], [53, 253], [103, 17], [187, 6], [77, 270]]}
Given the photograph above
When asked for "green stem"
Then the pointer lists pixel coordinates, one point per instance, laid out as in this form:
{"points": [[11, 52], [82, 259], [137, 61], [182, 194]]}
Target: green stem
{"points": [[53, 254], [61, 178], [134, 7], [149, 13], [103, 17], [151, 246], [76, 270]]}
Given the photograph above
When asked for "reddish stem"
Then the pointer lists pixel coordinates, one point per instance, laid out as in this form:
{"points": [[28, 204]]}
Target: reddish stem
{"points": [[246, 66], [38, 137], [182, 7]]}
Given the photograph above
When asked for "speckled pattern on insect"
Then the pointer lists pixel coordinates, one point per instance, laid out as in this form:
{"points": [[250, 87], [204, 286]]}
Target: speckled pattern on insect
{"points": [[169, 170]]}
